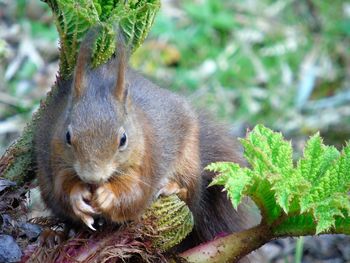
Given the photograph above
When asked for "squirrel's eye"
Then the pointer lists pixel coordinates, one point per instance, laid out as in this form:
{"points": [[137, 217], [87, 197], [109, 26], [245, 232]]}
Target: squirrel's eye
{"points": [[68, 138], [123, 141]]}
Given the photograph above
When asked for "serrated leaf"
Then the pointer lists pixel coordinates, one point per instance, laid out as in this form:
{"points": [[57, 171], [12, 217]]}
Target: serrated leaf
{"points": [[234, 179], [317, 158], [316, 190], [74, 18], [260, 192], [328, 196], [296, 225], [271, 156], [325, 218]]}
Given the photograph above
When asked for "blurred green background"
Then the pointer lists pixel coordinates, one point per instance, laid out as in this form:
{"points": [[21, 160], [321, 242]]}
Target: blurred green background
{"points": [[283, 63]]}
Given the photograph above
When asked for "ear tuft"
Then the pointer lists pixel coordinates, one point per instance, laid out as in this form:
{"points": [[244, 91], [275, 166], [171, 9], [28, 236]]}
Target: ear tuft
{"points": [[120, 89], [84, 58]]}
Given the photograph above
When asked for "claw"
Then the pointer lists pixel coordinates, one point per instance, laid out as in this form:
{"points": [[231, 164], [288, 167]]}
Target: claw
{"points": [[89, 221], [79, 197]]}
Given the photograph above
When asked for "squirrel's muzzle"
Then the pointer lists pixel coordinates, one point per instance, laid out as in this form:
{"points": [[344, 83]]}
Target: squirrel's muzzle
{"points": [[93, 174]]}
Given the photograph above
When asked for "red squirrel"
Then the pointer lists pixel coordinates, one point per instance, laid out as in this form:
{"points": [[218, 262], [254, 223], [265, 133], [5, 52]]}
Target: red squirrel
{"points": [[111, 141]]}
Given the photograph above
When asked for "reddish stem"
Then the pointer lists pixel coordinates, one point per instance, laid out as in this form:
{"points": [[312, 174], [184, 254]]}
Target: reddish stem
{"points": [[229, 248]]}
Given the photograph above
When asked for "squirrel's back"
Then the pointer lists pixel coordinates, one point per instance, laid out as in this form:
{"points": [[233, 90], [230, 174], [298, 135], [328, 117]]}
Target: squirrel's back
{"points": [[168, 112], [47, 124], [214, 213]]}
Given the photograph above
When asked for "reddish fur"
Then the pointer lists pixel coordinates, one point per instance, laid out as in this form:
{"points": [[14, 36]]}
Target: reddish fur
{"points": [[120, 85], [138, 179], [83, 56], [187, 164]]}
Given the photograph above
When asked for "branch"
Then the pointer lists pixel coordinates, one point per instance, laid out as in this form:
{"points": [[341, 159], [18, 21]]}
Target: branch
{"points": [[229, 248], [235, 246]]}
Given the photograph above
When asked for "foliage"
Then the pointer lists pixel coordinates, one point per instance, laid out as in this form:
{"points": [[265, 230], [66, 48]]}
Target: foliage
{"points": [[74, 18], [306, 198], [281, 63], [273, 62]]}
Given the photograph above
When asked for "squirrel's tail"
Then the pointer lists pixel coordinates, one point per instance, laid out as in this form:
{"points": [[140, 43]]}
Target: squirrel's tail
{"points": [[215, 214]]}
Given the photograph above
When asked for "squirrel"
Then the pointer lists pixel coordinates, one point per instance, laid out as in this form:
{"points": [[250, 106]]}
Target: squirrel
{"points": [[111, 141]]}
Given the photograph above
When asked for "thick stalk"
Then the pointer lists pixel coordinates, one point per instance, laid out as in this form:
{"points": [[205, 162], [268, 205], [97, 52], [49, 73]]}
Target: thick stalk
{"points": [[229, 248]]}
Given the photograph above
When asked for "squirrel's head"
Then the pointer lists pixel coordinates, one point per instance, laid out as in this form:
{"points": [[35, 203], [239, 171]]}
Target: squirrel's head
{"points": [[100, 133]]}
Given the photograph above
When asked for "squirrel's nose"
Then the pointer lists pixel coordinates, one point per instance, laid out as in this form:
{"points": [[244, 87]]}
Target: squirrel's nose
{"points": [[93, 174]]}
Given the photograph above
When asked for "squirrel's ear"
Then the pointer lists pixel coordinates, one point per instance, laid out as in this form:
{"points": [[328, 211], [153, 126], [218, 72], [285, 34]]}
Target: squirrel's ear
{"points": [[126, 98], [84, 59], [120, 89]]}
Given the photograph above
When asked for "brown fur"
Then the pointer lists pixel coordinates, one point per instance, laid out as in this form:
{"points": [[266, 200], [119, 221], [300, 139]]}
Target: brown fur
{"points": [[169, 144], [120, 84], [83, 56], [138, 179]]}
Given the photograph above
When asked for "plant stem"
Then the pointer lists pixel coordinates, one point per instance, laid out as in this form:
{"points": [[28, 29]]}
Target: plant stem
{"points": [[299, 250], [229, 248]]}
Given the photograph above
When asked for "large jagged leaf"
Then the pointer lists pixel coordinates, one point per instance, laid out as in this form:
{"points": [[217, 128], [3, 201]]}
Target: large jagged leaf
{"points": [[235, 179], [271, 157], [297, 225], [328, 197], [239, 182], [311, 197], [317, 159], [74, 18], [265, 199]]}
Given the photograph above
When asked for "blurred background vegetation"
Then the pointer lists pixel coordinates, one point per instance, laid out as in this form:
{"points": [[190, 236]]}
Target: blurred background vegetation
{"points": [[283, 63]]}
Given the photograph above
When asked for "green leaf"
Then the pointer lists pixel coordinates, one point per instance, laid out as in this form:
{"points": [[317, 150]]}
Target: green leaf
{"points": [[271, 156], [328, 197], [297, 225], [74, 18], [309, 198], [317, 159], [235, 180]]}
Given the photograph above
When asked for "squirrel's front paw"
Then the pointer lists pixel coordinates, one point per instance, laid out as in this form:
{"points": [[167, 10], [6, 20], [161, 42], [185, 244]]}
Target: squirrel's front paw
{"points": [[80, 197], [104, 198], [173, 188]]}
